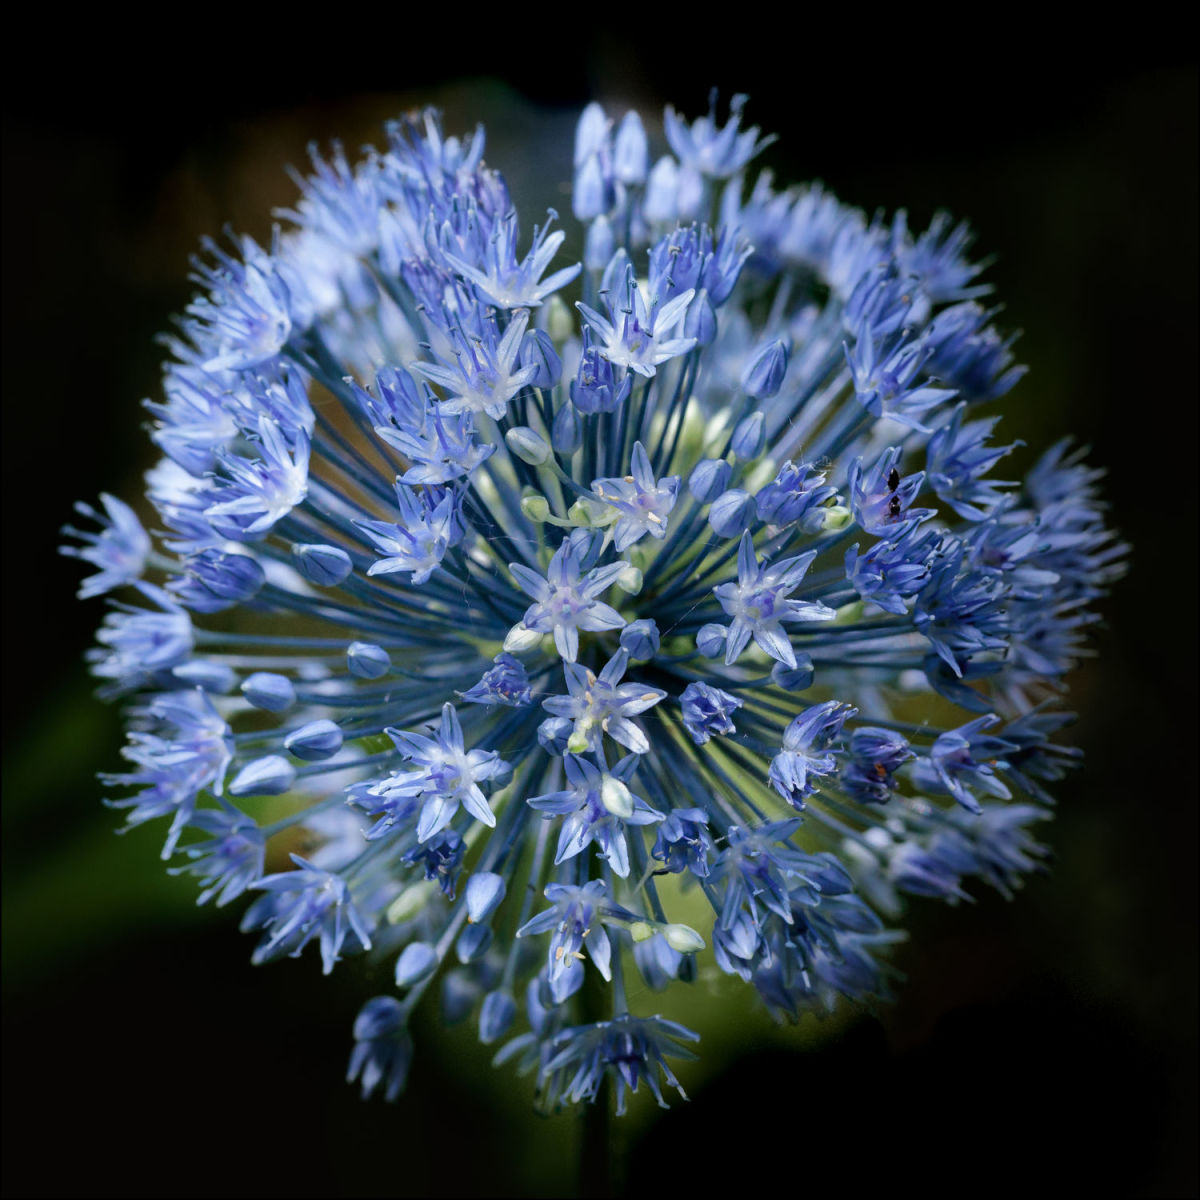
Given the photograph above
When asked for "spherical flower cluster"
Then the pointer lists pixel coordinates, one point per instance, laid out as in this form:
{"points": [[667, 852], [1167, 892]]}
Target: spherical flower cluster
{"points": [[514, 635]]}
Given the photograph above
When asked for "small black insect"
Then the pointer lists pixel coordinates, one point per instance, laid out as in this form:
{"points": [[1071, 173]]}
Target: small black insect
{"points": [[893, 479]]}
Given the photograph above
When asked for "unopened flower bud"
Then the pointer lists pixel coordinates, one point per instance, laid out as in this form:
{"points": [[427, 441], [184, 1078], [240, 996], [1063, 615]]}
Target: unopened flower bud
{"points": [[269, 776], [732, 513], [749, 437], [763, 378], [631, 150], [599, 244], [314, 741], [521, 638], [473, 943], [836, 517], [708, 479], [485, 890], [560, 320], [367, 661], [700, 321], [268, 691], [496, 1016], [326, 566], [616, 797], [535, 507], [710, 640], [537, 350], [640, 640], [793, 679], [528, 445], [683, 938], [417, 961], [630, 581], [566, 433]]}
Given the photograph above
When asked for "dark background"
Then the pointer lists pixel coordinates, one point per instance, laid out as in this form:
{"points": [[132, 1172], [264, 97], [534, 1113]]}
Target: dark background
{"points": [[1047, 1044]]}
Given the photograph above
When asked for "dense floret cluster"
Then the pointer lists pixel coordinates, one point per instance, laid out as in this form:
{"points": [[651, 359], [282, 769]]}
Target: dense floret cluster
{"points": [[498, 639]]}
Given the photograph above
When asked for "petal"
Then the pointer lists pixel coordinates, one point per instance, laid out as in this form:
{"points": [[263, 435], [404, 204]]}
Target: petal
{"points": [[530, 582], [629, 735], [774, 641], [476, 804], [566, 642]]}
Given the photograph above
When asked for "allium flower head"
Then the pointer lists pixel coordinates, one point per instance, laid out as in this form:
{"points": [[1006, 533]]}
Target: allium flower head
{"points": [[526, 697]]}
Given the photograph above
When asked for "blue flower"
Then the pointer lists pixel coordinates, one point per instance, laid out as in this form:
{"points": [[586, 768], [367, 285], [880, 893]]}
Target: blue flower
{"points": [[566, 601], [634, 335], [505, 683], [875, 755], [246, 318], [575, 920], [632, 1049], [505, 282], [597, 387], [683, 842], [602, 705], [759, 604], [797, 493], [429, 525], [706, 711], [231, 860], [966, 756], [260, 491], [450, 774], [407, 488], [958, 460], [119, 550], [643, 501], [441, 446], [484, 376], [888, 378], [712, 150], [597, 806], [302, 905], [806, 755], [881, 498], [382, 1048]]}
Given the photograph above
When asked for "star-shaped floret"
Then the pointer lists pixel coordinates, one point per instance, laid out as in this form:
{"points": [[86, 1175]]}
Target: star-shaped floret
{"points": [[597, 806], [567, 601], [600, 704], [758, 604], [643, 501]]}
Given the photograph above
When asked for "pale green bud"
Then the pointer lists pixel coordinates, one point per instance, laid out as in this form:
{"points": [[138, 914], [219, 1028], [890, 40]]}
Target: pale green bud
{"points": [[529, 445], [641, 931], [535, 507], [410, 902], [630, 581], [616, 797], [560, 321], [850, 614], [521, 638], [592, 514], [683, 938], [837, 516]]}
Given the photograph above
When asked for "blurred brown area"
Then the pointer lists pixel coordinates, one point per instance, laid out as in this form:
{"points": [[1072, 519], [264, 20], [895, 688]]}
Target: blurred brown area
{"points": [[1046, 1044]]}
